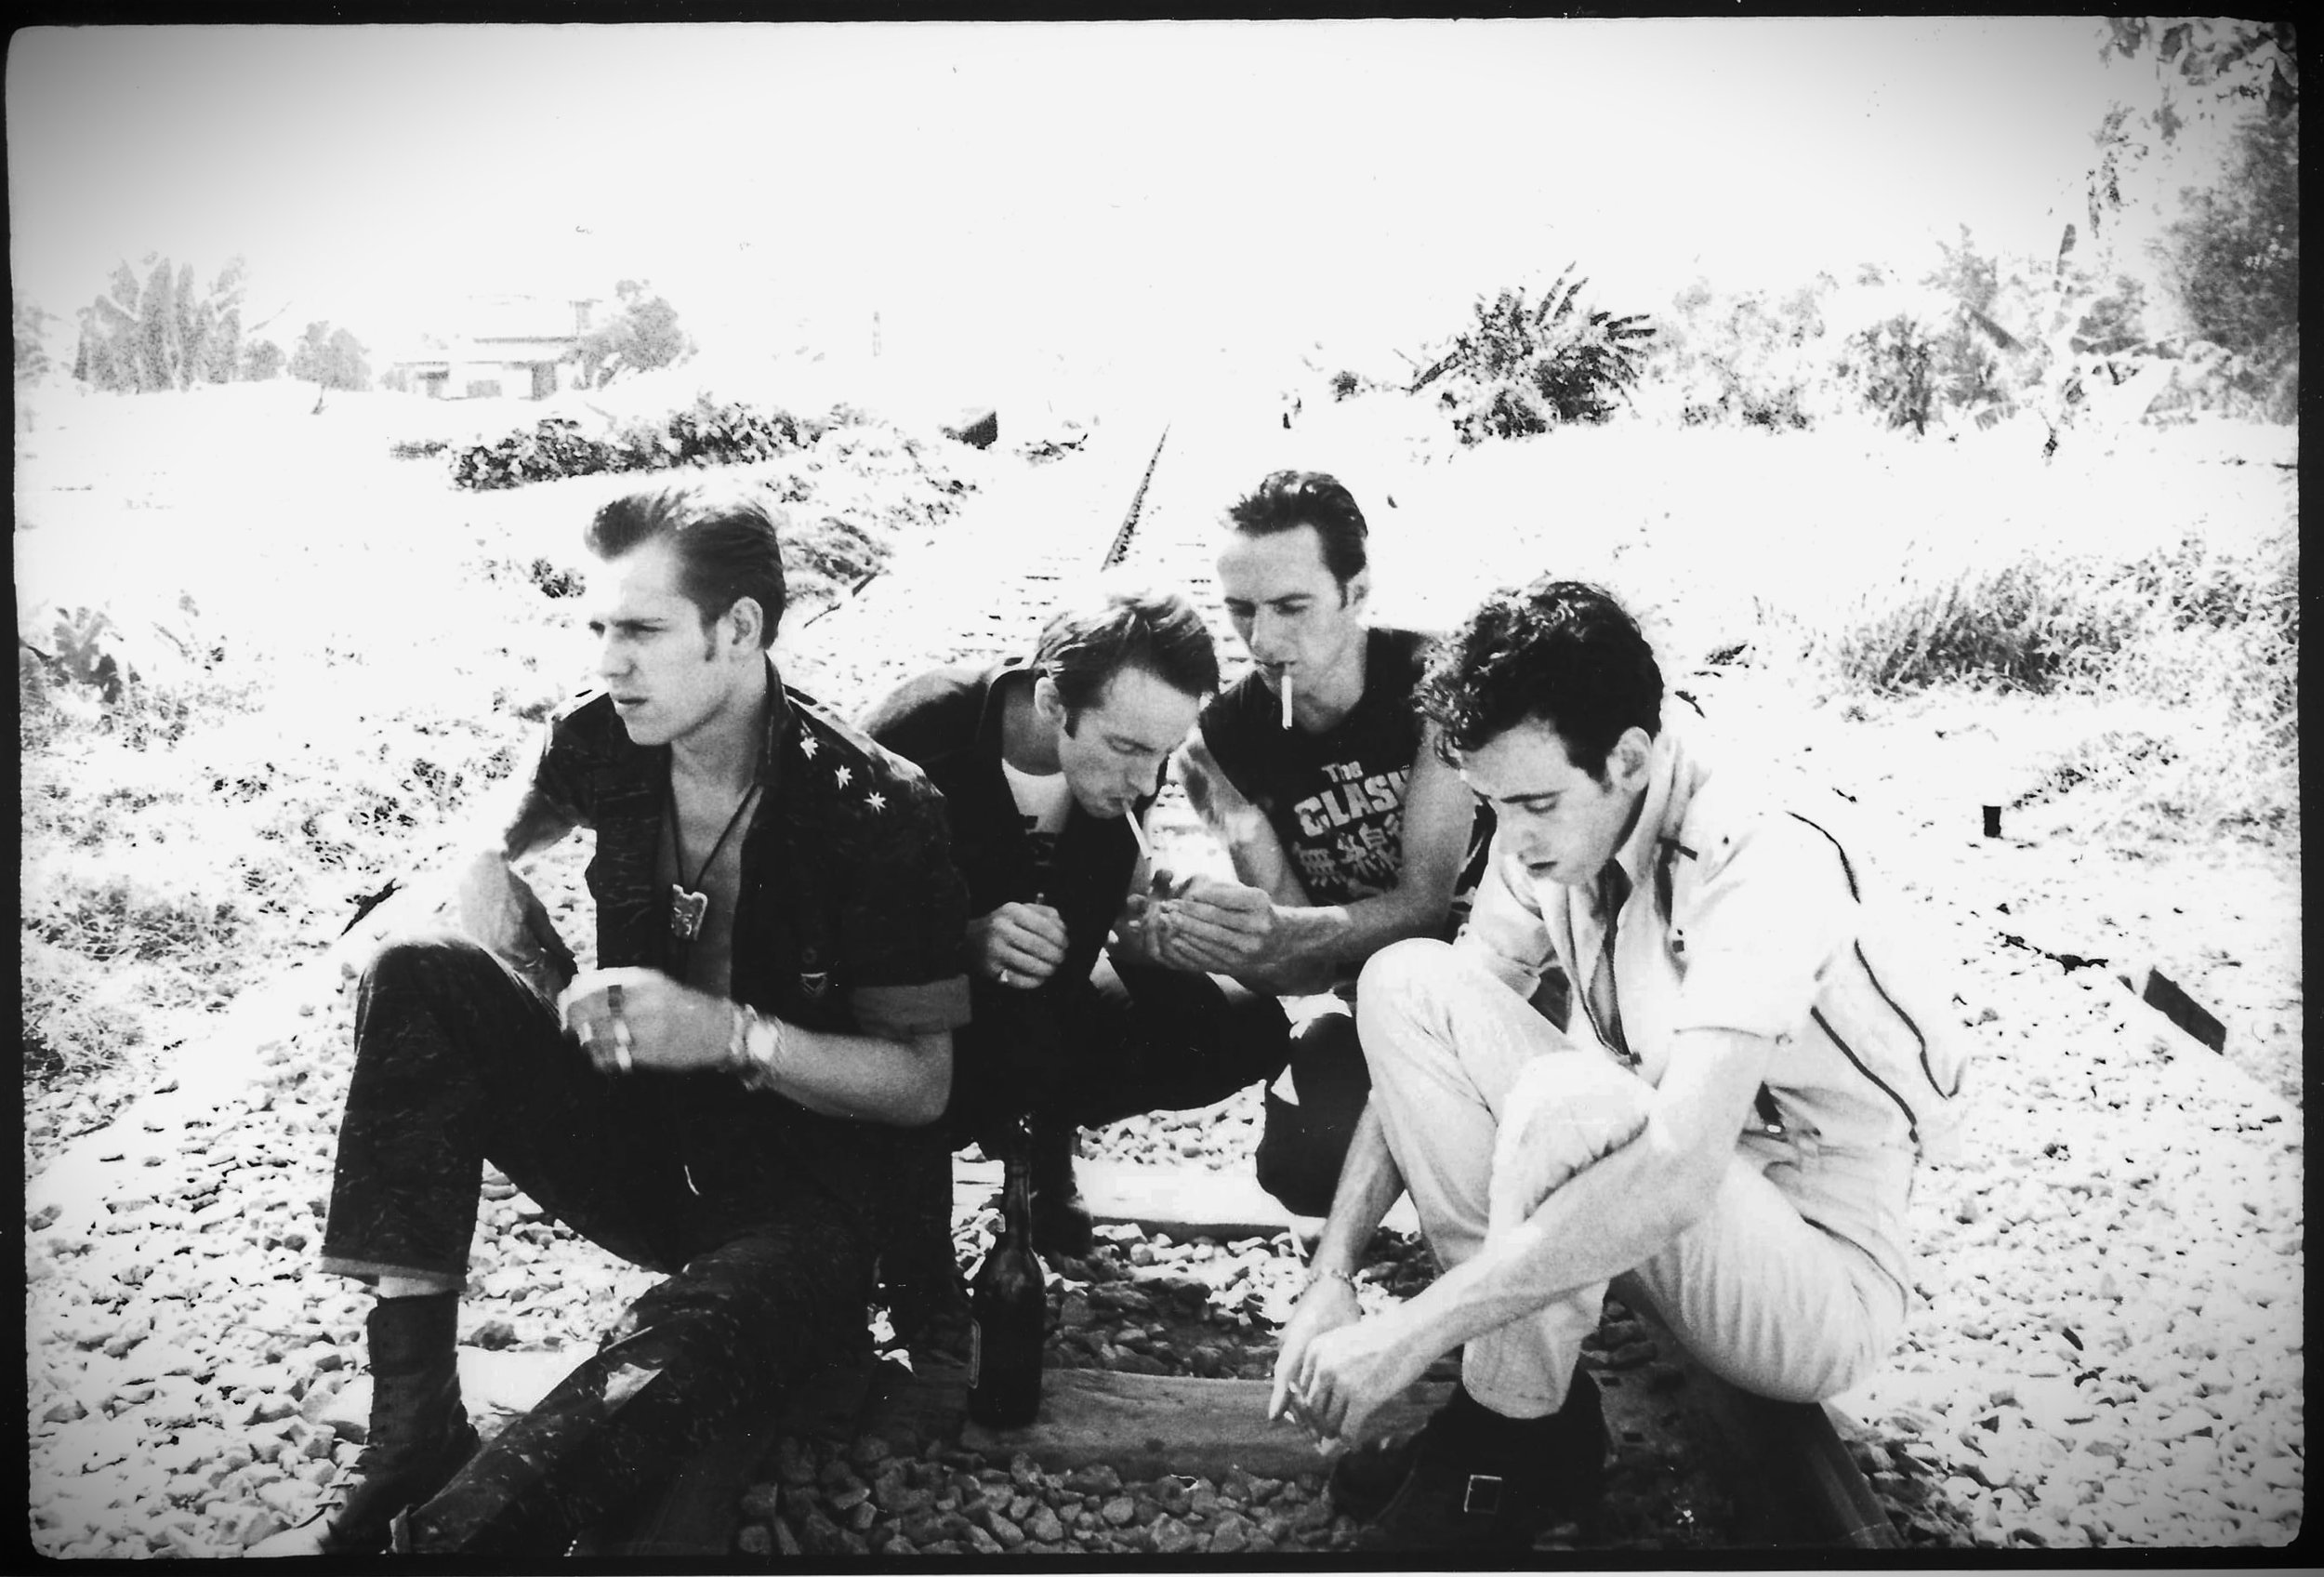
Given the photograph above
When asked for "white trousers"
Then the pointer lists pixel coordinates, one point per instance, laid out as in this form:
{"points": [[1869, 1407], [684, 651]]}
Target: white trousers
{"points": [[1762, 1297]]}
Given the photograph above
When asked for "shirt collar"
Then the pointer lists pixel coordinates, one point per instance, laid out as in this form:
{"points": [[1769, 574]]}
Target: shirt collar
{"points": [[1659, 816], [782, 723], [994, 707]]}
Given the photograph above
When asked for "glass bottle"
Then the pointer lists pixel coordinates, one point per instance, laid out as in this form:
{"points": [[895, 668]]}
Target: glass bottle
{"points": [[1008, 1307]]}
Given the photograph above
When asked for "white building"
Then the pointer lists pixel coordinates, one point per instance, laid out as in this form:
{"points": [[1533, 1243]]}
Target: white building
{"points": [[509, 346]]}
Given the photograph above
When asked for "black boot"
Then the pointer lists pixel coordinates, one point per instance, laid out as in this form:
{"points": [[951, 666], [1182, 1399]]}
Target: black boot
{"points": [[420, 1434], [1061, 1221], [1472, 1479]]}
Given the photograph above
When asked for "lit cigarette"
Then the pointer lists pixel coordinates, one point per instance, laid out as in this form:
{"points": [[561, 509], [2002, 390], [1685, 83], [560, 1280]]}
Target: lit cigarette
{"points": [[1137, 830], [1287, 701]]}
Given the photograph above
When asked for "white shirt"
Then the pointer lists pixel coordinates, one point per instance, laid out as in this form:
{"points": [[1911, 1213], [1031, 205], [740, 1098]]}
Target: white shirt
{"points": [[1744, 917]]}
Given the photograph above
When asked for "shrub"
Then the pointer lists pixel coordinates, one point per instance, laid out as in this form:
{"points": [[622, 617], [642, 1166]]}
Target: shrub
{"points": [[1893, 366], [706, 434], [1744, 360], [1524, 366]]}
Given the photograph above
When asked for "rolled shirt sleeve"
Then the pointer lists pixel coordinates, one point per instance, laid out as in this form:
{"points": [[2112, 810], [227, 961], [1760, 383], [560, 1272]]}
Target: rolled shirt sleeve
{"points": [[902, 919], [1506, 932], [1765, 929]]}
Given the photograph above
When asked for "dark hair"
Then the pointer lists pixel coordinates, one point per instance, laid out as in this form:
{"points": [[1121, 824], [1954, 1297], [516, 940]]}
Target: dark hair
{"points": [[728, 538], [1085, 644], [1288, 500], [1559, 652]]}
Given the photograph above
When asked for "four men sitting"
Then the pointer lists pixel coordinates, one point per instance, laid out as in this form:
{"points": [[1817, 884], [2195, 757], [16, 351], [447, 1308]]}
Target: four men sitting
{"points": [[827, 958]]}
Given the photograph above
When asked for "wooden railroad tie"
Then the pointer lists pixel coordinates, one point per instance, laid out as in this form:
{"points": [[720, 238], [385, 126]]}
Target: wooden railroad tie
{"points": [[1795, 1476]]}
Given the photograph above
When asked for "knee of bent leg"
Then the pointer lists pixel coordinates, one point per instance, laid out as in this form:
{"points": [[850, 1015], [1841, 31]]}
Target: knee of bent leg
{"points": [[408, 959], [1563, 1113], [1397, 984]]}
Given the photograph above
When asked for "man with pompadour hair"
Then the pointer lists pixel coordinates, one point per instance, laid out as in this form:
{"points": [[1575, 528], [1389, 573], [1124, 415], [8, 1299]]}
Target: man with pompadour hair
{"points": [[725, 1097], [1756, 1061], [1045, 762]]}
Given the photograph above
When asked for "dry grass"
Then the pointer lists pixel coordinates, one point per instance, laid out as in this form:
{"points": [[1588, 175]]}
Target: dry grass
{"points": [[2199, 642]]}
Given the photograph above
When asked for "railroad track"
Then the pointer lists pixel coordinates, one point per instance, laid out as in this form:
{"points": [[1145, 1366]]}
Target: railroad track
{"points": [[1729, 1469]]}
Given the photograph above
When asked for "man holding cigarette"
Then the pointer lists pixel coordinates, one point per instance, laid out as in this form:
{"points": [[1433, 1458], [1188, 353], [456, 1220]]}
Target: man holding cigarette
{"points": [[1346, 829], [1046, 765], [1758, 1056], [724, 1098]]}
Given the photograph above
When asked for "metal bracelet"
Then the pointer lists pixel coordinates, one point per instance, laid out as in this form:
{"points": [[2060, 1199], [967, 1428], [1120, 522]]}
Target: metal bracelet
{"points": [[1317, 1273], [756, 1068]]}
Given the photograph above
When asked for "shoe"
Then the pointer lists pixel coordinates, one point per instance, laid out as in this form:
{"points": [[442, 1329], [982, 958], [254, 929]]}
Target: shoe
{"points": [[1060, 1220], [420, 1436], [1438, 1489]]}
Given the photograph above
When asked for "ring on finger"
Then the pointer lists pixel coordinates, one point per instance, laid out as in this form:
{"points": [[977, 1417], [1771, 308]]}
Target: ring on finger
{"points": [[1003, 976], [621, 1046]]}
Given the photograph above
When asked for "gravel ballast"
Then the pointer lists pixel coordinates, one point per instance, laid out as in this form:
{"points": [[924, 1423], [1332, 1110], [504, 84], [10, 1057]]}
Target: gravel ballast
{"points": [[2107, 1347]]}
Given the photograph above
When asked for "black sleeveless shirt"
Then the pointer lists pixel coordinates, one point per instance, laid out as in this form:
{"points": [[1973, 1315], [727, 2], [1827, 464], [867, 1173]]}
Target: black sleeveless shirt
{"points": [[1336, 799]]}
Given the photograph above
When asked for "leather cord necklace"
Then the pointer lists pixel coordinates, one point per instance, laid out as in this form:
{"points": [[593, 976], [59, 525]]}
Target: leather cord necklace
{"points": [[687, 902]]}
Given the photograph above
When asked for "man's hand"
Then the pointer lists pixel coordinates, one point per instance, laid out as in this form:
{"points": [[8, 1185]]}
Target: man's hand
{"points": [[1328, 1305], [1222, 926], [1345, 1374], [632, 1018], [1018, 945]]}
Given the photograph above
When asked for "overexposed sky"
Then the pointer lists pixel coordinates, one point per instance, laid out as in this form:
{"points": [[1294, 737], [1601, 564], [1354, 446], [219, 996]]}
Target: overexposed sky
{"points": [[1173, 186]]}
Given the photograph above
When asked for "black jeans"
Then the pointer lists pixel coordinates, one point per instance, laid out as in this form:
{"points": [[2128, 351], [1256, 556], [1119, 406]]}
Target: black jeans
{"points": [[1133, 1037], [457, 1063]]}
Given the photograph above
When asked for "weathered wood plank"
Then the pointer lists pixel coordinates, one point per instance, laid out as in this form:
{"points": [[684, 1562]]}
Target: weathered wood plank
{"points": [[1182, 1201], [1142, 1425]]}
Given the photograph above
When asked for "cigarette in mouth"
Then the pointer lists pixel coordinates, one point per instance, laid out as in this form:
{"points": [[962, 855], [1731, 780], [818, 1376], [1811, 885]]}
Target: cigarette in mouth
{"points": [[1137, 830], [1287, 701]]}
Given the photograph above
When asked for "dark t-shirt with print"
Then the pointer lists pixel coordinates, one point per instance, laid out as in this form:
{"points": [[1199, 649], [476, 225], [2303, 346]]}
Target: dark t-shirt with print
{"points": [[1336, 799]]}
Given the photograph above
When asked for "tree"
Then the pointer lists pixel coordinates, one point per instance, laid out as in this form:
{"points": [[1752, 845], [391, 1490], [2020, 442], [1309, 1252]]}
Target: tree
{"points": [[262, 359], [331, 358], [2206, 69], [1965, 365], [106, 356], [164, 333], [2234, 258], [643, 334], [31, 335]]}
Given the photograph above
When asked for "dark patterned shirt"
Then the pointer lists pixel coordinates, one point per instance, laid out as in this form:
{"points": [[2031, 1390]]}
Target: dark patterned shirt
{"points": [[848, 919]]}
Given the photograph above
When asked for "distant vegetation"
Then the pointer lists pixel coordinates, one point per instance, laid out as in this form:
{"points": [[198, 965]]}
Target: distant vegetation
{"points": [[640, 337], [1521, 367], [709, 433], [167, 332]]}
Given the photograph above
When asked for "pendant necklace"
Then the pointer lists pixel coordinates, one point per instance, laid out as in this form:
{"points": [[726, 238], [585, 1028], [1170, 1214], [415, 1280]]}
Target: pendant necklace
{"points": [[687, 904]]}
